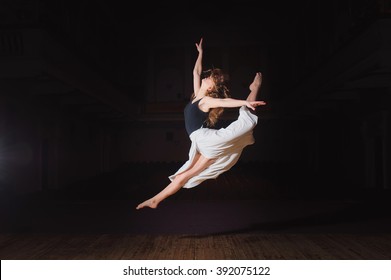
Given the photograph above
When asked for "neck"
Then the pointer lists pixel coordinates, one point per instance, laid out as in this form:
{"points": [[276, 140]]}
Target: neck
{"points": [[201, 92]]}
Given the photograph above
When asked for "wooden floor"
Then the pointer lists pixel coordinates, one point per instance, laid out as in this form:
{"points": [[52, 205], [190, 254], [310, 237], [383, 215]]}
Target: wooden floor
{"points": [[243, 215], [202, 230], [186, 247]]}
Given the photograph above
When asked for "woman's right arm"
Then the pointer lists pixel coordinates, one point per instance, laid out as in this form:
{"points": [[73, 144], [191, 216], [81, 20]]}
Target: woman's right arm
{"points": [[198, 69]]}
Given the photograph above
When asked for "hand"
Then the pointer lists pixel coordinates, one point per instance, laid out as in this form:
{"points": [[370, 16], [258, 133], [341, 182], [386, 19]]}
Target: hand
{"points": [[199, 46], [254, 104]]}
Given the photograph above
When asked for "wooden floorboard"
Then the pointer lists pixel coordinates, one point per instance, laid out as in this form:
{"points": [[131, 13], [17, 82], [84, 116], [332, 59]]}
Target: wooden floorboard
{"points": [[248, 213], [189, 247]]}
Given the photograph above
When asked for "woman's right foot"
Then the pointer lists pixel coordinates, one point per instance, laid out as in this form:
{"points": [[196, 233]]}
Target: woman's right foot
{"points": [[256, 84], [255, 87]]}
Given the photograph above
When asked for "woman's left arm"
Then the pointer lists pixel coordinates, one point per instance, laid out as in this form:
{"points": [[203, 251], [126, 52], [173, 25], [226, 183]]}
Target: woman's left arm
{"points": [[210, 102]]}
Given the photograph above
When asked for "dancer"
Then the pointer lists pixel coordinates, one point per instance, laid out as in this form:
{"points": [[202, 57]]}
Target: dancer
{"points": [[213, 151]]}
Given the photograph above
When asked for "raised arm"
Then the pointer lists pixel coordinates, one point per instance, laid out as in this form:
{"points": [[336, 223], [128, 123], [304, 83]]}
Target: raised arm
{"points": [[197, 69]]}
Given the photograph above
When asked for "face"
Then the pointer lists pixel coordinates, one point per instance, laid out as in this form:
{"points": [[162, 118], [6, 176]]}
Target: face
{"points": [[207, 83]]}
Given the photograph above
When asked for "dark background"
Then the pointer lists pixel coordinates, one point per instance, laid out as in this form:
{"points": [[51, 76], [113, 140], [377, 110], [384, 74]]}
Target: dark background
{"points": [[92, 95]]}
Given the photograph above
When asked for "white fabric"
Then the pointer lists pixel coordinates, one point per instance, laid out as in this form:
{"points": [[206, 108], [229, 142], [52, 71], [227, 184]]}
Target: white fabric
{"points": [[225, 145]]}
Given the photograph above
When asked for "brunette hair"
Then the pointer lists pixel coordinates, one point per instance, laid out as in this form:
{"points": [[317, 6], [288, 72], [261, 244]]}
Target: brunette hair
{"points": [[219, 90]]}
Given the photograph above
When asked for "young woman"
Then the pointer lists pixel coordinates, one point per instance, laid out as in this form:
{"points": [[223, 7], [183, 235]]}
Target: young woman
{"points": [[212, 151]]}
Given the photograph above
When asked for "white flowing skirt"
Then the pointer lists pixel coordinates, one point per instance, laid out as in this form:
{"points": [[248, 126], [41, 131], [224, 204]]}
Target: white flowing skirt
{"points": [[224, 144]]}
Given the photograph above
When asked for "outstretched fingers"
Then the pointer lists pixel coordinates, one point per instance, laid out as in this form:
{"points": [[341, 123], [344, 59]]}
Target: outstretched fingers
{"points": [[254, 104], [199, 45]]}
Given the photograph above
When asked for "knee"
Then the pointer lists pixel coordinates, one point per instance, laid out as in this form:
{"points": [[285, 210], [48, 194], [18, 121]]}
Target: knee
{"points": [[181, 179], [209, 161]]}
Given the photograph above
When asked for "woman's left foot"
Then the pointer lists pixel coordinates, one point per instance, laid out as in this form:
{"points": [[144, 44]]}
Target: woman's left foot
{"points": [[151, 203]]}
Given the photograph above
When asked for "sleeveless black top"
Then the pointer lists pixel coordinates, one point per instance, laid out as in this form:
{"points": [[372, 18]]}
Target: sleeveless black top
{"points": [[194, 117]]}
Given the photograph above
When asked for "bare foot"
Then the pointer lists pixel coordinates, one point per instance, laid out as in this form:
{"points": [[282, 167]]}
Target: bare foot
{"points": [[256, 84], [151, 203], [255, 87]]}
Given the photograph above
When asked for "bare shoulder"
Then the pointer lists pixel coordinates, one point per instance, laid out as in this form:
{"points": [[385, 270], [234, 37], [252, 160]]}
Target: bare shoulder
{"points": [[209, 102], [206, 100], [205, 103]]}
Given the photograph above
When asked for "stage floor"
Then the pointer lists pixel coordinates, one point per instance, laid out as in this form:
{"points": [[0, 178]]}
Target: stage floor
{"points": [[191, 229]]}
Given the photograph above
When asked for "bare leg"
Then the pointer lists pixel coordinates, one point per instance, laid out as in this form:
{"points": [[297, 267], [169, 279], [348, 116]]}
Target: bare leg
{"points": [[255, 87], [199, 164]]}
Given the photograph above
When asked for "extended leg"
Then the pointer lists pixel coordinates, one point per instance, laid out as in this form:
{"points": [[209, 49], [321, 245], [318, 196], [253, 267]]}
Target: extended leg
{"points": [[200, 164], [248, 118]]}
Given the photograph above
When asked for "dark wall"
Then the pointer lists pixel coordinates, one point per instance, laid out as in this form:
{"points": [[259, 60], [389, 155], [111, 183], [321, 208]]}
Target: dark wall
{"points": [[89, 86]]}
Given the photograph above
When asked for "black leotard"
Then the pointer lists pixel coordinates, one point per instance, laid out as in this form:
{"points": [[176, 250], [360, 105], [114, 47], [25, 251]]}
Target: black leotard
{"points": [[194, 117]]}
